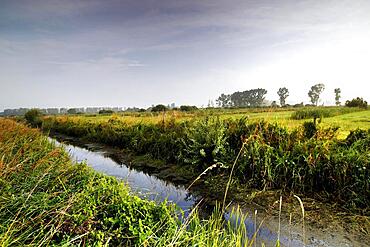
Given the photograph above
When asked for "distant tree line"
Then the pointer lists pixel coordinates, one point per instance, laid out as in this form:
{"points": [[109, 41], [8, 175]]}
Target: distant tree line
{"points": [[256, 98], [162, 108], [248, 98], [357, 102]]}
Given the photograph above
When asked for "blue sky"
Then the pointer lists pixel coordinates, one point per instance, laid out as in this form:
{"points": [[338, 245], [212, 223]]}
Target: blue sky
{"points": [[138, 53]]}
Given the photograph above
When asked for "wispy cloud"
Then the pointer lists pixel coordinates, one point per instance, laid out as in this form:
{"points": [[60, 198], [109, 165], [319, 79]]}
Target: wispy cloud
{"points": [[177, 44]]}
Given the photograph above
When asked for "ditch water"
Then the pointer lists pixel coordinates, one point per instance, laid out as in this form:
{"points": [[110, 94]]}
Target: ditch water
{"points": [[144, 185]]}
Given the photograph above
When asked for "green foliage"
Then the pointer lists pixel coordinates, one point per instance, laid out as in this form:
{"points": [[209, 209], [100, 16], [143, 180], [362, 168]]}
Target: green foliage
{"points": [[33, 117], [309, 129], [320, 112], [315, 92], [357, 135], [72, 111], [46, 200], [251, 98], [224, 100], [357, 102], [337, 92], [248, 98], [204, 143], [106, 112], [305, 160], [159, 108], [283, 94], [188, 108]]}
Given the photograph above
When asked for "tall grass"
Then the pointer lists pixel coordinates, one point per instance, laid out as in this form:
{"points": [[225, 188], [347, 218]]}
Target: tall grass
{"points": [[274, 157], [320, 112], [46, 200]]}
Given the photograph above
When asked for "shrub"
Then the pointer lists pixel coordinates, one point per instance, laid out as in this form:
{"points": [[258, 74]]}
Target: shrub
{"points": [[309, 129], [204, 143], [33, 117], [356, 135]]}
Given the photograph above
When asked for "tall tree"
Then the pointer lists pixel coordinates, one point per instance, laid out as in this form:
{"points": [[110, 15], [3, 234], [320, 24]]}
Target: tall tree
{"points": [[253, 97], [315, 92], [337, 92], [283, 93], [224, 100]]}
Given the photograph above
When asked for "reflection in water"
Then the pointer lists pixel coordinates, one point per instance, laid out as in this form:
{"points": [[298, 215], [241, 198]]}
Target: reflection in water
{"points": [[142, 184], [152, 188]]}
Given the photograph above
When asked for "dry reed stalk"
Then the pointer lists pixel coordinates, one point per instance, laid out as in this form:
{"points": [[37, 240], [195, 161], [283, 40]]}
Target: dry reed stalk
{"points": [[303, 226]]}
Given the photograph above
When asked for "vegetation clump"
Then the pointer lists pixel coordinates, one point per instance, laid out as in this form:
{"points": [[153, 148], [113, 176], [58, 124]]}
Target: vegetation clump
{"points": [[188, 108], [159, 108], [315, 92], [33, 117], [357, 102], [106, 112], [247, 98], [321, 112]]}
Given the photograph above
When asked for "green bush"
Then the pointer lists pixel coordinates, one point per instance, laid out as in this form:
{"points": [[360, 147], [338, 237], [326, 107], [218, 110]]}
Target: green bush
{"points": [[321, 112], [204, 143], [310, 129], [33, 117]]}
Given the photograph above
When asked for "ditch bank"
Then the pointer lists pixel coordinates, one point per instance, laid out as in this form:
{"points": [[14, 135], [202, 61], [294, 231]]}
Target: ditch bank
{"points": [[158, 181]]}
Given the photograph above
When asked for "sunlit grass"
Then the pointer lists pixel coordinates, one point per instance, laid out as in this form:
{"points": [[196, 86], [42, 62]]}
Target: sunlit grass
{"points": [[345, 122]]}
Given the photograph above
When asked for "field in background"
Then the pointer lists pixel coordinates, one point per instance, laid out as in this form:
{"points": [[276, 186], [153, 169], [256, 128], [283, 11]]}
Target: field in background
{"points": [[345, 119]]}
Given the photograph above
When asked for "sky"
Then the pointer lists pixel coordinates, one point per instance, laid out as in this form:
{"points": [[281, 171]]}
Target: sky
{"points": [[80, 53]]}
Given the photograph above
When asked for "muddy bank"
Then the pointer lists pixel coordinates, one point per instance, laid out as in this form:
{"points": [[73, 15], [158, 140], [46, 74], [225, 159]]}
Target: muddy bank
{"points": [[323, 227]]}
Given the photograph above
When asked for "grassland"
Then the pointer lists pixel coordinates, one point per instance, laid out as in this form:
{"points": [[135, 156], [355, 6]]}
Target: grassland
{"points": [[47, 200], [346, 119]]}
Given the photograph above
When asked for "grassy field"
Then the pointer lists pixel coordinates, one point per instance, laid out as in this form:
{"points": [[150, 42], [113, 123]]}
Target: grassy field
{"points": [[346, 122], [47, 200], [268, 148]]}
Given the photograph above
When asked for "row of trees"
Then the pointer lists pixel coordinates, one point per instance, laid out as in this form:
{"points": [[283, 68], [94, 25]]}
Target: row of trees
{"points": [[255, 97], [161, 108], [248, 98]]}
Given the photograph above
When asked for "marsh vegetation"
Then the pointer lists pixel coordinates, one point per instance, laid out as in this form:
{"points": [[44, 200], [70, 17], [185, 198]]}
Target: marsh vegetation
{"points": [[255, 149]]}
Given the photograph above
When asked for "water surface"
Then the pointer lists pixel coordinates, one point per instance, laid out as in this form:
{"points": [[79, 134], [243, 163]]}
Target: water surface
{"points": [[146, 186]]}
